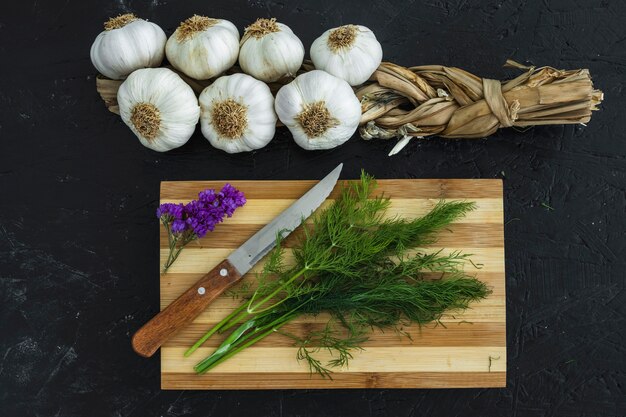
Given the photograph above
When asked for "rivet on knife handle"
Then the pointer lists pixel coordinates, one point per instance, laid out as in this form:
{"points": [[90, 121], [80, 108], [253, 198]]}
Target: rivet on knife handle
{"points": [[149, 338]]}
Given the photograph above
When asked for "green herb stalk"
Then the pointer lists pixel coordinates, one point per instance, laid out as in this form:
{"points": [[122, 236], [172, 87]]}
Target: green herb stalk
{"points": [[361, 267]]}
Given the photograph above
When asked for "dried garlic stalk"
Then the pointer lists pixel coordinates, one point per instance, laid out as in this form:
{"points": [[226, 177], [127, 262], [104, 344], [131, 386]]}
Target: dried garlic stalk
{"points": [[452, 103]]}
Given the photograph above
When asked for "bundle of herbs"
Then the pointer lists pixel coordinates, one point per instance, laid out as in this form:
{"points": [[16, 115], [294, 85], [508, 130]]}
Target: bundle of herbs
{"points": [[363, 268]]}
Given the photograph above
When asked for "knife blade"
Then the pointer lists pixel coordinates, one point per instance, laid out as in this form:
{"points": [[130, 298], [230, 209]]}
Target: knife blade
{"points": [[149, 338]]}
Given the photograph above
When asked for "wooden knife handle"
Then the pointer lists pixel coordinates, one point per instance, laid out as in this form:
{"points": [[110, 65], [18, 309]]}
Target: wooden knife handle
{"points": [[149, 338]]}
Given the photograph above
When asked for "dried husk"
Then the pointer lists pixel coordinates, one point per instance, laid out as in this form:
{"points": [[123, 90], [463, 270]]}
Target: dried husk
{"points": [[399, 102], [107, 88], [452, 103]]}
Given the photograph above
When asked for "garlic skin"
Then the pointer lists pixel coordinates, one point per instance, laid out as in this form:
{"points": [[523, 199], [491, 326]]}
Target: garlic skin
{"points": [[270, 51], [350, 52], [127, 44], [159, 107], [202, 47], [237, 113], [320, 110]]}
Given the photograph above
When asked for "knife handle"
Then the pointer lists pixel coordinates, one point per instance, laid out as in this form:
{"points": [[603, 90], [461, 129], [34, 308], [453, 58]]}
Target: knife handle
{"points": [[149, 338]]}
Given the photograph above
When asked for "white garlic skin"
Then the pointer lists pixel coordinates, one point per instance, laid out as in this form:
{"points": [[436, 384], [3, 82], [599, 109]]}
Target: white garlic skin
{"points": [[175, 100], [205, 54], [272, 57], [355, 63], [261, 118], [117, 52], [315, 86]]}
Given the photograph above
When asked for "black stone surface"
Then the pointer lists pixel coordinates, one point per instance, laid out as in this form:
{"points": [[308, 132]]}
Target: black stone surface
{"points": [[78, 237]]}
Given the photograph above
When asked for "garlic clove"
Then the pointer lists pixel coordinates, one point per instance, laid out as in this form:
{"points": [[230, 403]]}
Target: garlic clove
{"points": [[159, 107], [127, 44]]}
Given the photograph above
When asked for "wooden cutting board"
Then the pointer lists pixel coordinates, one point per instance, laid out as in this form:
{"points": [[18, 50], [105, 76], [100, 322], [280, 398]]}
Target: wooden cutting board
{"points": [[465, 350]]}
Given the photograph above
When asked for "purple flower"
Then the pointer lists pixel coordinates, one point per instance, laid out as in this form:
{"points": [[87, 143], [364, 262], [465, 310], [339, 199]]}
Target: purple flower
{"points": [[207, 196], [231, 199], [178, 226], [170, 211], [198, 217], [202, 215]]}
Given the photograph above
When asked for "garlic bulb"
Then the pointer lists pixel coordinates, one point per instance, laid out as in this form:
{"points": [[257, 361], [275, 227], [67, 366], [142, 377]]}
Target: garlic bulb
{"points": [[159, 107], [237, 113], [127, 43], [270, 51], [320, 110], [350, 52], [202, 47]]}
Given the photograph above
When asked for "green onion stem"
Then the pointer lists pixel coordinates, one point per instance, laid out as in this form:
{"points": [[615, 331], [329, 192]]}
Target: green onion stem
{"points": [[214, 329]]}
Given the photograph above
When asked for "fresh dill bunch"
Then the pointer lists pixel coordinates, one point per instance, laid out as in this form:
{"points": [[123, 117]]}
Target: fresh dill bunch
{"points": [[360, 266]]}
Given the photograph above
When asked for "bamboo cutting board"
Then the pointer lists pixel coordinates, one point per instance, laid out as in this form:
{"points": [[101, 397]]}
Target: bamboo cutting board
{"points": [[465, 350]]}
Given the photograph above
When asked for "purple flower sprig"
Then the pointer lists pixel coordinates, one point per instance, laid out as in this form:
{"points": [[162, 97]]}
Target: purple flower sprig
{"points": [[187, 222]]}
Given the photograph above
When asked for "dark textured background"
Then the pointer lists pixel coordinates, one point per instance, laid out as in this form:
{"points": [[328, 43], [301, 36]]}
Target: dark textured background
{"points": [[78, 237]]}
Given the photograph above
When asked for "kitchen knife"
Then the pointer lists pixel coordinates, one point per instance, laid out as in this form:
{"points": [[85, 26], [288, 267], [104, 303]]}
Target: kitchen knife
{"points": [[192, 302]]}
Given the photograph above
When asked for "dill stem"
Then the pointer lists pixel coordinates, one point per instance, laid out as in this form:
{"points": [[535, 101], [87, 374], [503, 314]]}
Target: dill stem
{"points": [[214, 360], [253, 309], [240, 348], [235, 316], [241, 316], [237, 336], [214, 329], [235, 320]]}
